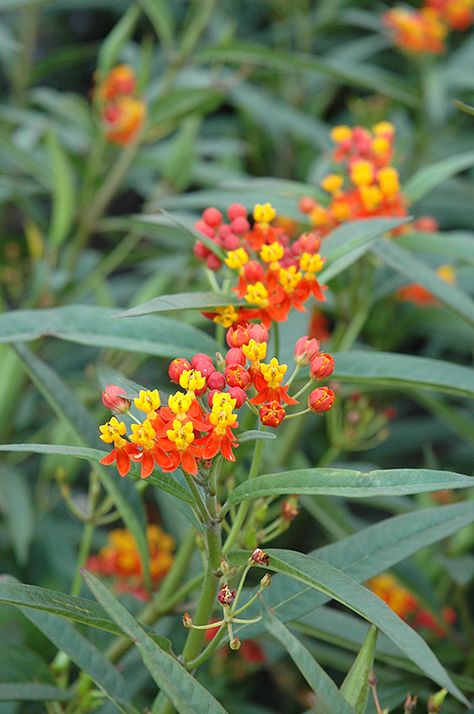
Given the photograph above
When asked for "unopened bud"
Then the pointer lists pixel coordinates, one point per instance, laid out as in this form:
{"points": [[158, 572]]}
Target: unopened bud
{"points": [[187, 621], [372, 679], [235, 644], [225, 567], [266, 581], [290, 508], [435, 702], [113, 397], [259, 557]]}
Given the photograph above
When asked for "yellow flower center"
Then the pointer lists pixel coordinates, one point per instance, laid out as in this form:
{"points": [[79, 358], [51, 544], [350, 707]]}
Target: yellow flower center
{"points": [[362, 173], [332, 183], [236, 259], [273, 372], [192, 380], [112, 432], [182, 435], [371, 196], [148, 402], [290, 278], [272, 252], [180, 403], [143, 435], [257, 294], [341, 133], [255, 351], [226, 316], [388, 181], [264, 213], [311, 263]]}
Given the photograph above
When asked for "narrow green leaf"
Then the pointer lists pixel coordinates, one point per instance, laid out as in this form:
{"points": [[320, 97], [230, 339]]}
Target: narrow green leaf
{"points": [[355, 687], [165, 482], [336, 584], [428, 177], [63, 196], [186, 694], [24, 692], [88, 325], [348, 242], [398, 371], [16, 504], [328, 697], [416, 270], [64, 403], [255, 435], [181, 301], [83, 653], [79, 609], [466, 108], [348, 483], [112, 45], [366, 554], [451, 245], [161, 18], [361, 75]]}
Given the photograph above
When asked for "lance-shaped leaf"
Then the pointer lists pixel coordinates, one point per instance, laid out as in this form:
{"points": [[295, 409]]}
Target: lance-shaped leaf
{"points": [[348, 483], [91, 325], [428, 177], [25, 691], [64, 403], [416, 270], [328, 697], [403, 371], [336, 584], [181, 301], [186, 694], [355, 687]]}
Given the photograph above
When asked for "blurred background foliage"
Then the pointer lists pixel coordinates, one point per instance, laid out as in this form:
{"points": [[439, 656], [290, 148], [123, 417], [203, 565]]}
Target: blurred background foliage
{"points": [[240, 100]]}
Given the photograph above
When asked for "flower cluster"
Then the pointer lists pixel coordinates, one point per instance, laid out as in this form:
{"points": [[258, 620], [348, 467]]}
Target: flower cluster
{"points": [[272, 270], [408, 607], [122, 111], [419, 295], [198, 424], [365, 183], [120, 559], [425, 30]]}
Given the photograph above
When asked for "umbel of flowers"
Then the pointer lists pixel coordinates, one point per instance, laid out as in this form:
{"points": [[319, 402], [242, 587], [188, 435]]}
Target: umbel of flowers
{"points": [[122, 112], [424, 30], [199, 421]]}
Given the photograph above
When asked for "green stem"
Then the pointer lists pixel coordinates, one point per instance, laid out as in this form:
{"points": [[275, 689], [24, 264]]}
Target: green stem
{"points": [[87, 533], [197, 497], [244, 507], [21, 76]]}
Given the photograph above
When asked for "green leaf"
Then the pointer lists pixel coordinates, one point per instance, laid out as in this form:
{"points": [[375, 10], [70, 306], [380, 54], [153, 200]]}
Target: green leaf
{"points": [[158, 12], [79, 609], [368, 553], [451, 245], [348, 483], [64, 403], [83, 653], [403, 371], [355, 687], [181, 301], [466, 108], [112, 45], [411, 267], [87, 325], [428, 177], [348, 242], [185, 693], [355, 75], [63, 194], [338, 585], [24, 691], [255, 435], [328, 697], [16, 504], [165, 482]]}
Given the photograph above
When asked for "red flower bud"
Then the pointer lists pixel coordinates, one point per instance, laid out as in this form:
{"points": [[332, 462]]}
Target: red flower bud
{"points": [[238, 335], [216, 380], [203, 363], [254, 271], [230, 242], [213, 262], [322, 365], [204, 228], [321, 399], [235, 356], [177, 367], [271, 413], [240, 225], [200, 250], [306, 204], [305, 349], [236, 210], [237, 376], [239, 395], [426, 223], [210, 395], [309, 243], [290, 509], [212, 217], [258, 332], [113, 397], [225, 595]]}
